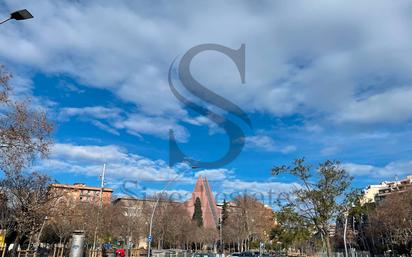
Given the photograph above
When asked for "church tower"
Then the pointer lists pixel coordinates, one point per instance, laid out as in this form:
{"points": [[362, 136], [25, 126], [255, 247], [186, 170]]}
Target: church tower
{"points": [[209, 209]]}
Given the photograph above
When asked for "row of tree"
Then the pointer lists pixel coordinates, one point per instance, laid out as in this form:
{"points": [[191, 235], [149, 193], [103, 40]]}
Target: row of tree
{"points": [[244, 224], [384, 226], [28, 209], [324, 197]]}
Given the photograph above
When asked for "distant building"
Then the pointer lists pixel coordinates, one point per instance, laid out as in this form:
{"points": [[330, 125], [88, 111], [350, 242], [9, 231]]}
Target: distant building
{"points": [[202, 190], [134, 206], [370, 193], [394, 186], [80, 193], [130, 203], [332, 230], [210, 211], [376, 193]]}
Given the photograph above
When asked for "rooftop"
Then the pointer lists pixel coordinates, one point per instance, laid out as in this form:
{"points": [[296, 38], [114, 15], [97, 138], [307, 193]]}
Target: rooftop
{"points": [[81, 186]]}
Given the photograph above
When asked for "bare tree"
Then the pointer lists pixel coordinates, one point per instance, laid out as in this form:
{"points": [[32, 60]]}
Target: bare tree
{"points": [[30, 201], [390, 223], [248, 221], [169, 223], [65, 217], [129, 223], [24, 132]]}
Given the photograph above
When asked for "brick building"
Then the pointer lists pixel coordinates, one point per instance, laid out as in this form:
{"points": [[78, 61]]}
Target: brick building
{"points": [[80, 193], [210, 210]]}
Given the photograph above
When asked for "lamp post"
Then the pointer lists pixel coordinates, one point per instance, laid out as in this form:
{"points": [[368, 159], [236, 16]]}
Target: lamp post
{"points": [[18, 15], [344, 233], [40, 232], [100, 205]]}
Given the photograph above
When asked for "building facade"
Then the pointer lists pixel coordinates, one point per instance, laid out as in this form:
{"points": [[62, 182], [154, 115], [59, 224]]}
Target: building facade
{"points": [[377, 193], [80, 193], [210, 210]]}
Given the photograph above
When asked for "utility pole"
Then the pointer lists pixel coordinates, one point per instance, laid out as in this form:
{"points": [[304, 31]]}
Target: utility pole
{"points": [[344, 233], [40, 232], [100, 205], [102, 185], [221, 232]]}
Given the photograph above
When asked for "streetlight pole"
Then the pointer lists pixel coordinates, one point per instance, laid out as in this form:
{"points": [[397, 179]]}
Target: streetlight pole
{"points": [[40, 232], [221, 232], [344, 233], [18, 15], [4, 21], [100, 206]]}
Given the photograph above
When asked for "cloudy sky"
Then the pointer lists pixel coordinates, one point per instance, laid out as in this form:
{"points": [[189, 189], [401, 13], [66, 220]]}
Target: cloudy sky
{"points": [[324, 80]]}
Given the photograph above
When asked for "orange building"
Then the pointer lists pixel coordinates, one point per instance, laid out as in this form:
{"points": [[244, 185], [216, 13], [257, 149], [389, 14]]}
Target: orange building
{"points": [[80, 193]]}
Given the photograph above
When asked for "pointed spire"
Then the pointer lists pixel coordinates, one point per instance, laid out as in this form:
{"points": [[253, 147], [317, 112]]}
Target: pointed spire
{"points": [[203, 191]]}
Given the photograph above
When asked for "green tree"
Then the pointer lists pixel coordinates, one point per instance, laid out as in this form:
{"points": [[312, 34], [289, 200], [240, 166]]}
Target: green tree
{"points": [[317, 200], [291, 231], [30, 200], [197, 214], [225, 213]]}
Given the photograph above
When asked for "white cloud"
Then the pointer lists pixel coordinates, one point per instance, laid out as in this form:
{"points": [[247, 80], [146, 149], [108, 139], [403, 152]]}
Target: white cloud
{"points": [[390, 106], [126, 171], [88, 160], [261, 141], [330, 150], [114, 119], [362, 73], [390, 171], [98, 112], [159, 126], [288, 149], [266, 143], [88, 152], [105, 127], [215, 174], [291, 68]]}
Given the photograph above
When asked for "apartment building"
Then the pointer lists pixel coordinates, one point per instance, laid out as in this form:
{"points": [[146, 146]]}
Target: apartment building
{"points": [[376, 193], [80, 193]]}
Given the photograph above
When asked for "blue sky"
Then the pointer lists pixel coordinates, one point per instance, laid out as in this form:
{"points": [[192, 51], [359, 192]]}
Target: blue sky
{"points": [[325, 81]]}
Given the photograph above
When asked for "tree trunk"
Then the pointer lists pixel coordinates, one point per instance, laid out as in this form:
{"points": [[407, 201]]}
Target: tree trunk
{"points": [[328, 245]]}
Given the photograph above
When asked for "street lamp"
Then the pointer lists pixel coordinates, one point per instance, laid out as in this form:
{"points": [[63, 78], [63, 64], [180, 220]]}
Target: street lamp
{"points": [[19, 15], [40, 232]]}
